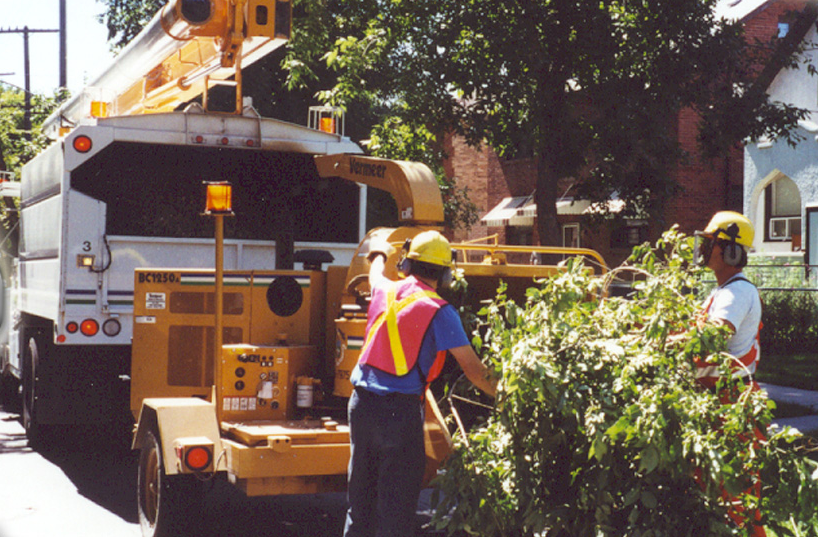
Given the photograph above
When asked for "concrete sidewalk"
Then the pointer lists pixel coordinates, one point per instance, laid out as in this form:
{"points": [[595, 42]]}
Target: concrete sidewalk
{"points": [[805, 398]]}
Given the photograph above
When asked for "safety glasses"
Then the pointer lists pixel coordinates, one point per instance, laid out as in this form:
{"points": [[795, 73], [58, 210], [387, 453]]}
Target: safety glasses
{"points": [[702, 248]]}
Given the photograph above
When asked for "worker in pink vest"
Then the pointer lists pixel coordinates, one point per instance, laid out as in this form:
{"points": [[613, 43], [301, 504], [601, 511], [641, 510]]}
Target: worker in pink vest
{"points": [[410, 329]]}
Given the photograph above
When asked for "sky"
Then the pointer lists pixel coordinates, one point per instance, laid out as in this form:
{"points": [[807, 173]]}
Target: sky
{"points": [[87, 46]]}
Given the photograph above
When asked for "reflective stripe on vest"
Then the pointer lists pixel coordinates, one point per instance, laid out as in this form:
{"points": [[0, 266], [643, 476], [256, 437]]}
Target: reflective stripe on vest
{"points": [[398, 325]]}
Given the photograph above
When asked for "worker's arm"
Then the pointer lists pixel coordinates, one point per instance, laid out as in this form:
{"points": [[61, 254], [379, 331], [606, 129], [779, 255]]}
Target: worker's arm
{"points": [[379, 252], [377, 266], [475, 370]]}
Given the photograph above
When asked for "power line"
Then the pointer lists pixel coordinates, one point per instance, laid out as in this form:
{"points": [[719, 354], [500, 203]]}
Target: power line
{"points": [[26, 66]]}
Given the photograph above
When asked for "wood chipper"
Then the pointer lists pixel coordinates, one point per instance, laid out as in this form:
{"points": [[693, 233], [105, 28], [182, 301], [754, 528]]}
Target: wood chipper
{"points": [[267, 410]]}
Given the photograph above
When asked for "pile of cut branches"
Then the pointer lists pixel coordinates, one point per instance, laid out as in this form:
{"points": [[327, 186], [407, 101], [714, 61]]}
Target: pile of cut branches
{"points": [[600, 428]]}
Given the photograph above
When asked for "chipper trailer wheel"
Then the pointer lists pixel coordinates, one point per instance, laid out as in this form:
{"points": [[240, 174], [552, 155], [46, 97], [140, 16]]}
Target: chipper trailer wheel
{"points": [[168, 504]]}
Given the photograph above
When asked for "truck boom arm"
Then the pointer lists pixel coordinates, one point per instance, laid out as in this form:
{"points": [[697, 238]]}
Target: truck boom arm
{"points": [[187, 45]]}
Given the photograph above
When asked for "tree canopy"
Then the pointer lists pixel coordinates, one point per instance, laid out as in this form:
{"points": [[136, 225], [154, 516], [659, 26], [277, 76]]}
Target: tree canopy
{"points": [[589, 90]]}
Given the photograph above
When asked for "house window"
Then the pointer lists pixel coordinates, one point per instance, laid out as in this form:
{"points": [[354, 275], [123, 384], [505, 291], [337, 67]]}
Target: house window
{"points": [[630, 234], [570, 235], [783, 29], [783, 211]]}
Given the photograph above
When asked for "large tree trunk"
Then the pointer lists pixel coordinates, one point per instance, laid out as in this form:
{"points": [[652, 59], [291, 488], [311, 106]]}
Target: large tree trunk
{"points": [[548, 228]]}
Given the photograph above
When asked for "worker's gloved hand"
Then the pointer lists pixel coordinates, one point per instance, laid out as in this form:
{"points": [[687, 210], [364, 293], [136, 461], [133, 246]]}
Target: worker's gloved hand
{"points": [[379, 246]]}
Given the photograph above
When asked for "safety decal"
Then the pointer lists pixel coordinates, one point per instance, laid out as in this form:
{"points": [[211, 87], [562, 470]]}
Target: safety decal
{"points": [[233, 404], [155, 301]]}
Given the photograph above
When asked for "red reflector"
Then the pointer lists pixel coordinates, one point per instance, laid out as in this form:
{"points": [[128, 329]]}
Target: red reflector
{"points": [[82, 144], [89, 327], [198, 458], [199, 139], [250, 143], [61, 338], [72, 327], [225, 141]]}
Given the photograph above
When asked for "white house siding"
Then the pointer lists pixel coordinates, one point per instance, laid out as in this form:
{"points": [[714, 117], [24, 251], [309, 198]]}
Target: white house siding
{"points": [[766, 161], [763, 165]]}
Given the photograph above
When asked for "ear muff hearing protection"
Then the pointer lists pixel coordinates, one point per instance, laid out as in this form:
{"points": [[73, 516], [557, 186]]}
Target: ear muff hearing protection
{"points": [[405, 264], [732, 254]]}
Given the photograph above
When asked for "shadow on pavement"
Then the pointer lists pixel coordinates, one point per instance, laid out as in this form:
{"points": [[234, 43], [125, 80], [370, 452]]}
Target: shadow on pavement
{"points": [[101, 465]]}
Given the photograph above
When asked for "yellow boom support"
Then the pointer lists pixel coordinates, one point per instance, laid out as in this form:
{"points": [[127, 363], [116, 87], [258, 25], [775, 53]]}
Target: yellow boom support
{"points": [[188, 46]]}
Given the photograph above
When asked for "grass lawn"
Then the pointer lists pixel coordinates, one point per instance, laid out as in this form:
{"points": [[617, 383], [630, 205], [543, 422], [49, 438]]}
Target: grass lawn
{"points": [[794, 370]]}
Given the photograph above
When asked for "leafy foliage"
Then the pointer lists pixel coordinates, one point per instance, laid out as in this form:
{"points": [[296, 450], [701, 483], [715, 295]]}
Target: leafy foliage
{"points": [[790, 321], [600, 427], [790, 313], [16, 145], [126, 18], [587, 89]]}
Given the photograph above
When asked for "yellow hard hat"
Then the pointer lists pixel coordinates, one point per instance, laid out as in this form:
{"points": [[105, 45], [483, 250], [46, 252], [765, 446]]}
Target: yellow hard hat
{"points": [[431, 247], [731, 226]]}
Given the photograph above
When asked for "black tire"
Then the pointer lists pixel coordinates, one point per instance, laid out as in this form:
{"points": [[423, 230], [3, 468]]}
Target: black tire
{"points": [[35, 431], [167, 505], [9, 397]]}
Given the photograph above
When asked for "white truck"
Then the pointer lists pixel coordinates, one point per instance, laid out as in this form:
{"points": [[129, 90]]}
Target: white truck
{"points": [[125, 191]]}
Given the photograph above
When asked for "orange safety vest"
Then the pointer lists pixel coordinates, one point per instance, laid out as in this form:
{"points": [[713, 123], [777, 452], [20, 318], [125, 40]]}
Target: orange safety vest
{"points": [[708, 373], [397, 322]]}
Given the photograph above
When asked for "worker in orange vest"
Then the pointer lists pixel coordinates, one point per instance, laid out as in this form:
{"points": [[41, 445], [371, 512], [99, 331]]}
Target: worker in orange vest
{"points": [[735, 303], [409, 331]]}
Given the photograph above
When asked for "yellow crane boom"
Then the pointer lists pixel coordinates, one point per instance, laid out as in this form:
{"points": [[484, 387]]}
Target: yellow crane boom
{"points": [[188, 46]]}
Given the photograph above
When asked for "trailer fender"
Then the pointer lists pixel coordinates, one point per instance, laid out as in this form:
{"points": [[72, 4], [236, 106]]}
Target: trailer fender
{"points": [[177, 420]]}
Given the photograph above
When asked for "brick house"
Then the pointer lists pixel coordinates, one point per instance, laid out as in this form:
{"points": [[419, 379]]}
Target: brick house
{"points": [[501, 189]]}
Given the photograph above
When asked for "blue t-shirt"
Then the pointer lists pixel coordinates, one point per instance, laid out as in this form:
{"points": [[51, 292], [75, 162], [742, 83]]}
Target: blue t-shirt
{"points": [[445, 332]]}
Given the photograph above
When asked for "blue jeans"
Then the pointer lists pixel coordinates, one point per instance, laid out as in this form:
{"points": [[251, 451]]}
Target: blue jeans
{"points": [[386, 464]]}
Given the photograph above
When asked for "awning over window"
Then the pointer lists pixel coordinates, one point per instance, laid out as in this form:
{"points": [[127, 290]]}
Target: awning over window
{"points": [[521, 210], [517, 211]]}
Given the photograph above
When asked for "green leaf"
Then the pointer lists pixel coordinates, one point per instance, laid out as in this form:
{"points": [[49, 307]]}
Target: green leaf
{"points": [[649, 459]]}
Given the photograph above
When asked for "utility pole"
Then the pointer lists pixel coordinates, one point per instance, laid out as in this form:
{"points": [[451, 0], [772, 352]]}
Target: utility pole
{"points": [[63, 47], [26, 69]]}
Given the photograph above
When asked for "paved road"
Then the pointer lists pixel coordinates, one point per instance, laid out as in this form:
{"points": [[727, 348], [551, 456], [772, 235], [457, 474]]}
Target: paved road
{"points": [[88, 489], [805, 398]]}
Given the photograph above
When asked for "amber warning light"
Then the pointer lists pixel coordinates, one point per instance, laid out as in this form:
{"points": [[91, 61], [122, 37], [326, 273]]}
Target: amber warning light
{"points": [[219, 198]]}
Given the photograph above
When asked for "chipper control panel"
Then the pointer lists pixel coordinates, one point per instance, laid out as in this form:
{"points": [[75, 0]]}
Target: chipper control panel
{"points": [[260, 383]]}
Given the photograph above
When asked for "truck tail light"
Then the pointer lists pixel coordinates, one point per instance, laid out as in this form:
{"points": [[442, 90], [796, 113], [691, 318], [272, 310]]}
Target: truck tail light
{"points": [[111, 327], [82, 144], [89, 327], [195, 454], [72, 327]]}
